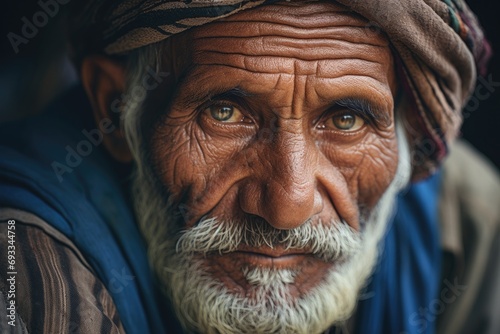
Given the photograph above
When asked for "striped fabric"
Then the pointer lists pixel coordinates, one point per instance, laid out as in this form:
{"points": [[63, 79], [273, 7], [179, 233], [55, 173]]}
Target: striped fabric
{"points": [[56, 290], [159, 20]]}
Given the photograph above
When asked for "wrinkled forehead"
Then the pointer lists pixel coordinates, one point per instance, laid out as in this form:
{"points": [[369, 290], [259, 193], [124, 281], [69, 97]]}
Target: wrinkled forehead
{"points": [[301, 19], [303, 30]]}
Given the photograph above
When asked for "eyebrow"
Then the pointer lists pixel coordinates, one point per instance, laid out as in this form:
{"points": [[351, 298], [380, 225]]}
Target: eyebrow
{"points": [[231, 93], [198, 97], [366, 108]]}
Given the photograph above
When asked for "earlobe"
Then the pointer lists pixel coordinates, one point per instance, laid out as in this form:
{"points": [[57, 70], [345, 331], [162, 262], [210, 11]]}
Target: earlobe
{"points": [[104, 82]]}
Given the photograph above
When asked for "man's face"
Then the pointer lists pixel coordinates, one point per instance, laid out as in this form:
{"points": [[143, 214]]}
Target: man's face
{"points": [[276, 149]]}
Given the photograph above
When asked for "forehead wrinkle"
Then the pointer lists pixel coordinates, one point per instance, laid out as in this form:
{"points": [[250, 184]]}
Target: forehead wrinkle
{"points": [[298, 13], [279, 65], [351, 66], [299, 92], [299, 19], [358, 86], [230, 30], [289, 47]]}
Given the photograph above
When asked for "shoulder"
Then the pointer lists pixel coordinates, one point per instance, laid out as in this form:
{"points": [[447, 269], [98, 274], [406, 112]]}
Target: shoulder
{"points": [[55, 289], [475, 180], [470, 236]]}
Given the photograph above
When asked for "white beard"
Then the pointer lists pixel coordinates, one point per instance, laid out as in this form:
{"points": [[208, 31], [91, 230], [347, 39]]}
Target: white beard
{"points": [[204, 304]]}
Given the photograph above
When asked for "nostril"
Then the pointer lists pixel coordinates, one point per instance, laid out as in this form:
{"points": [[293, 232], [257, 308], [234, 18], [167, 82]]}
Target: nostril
{"points": [[287, 207]]}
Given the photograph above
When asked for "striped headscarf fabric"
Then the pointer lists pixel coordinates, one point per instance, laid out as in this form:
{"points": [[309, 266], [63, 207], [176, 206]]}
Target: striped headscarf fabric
{"points": [[439, 47]]}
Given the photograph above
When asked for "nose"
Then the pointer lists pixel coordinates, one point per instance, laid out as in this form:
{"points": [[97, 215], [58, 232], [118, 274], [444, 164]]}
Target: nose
{"points": [[283, 187]]}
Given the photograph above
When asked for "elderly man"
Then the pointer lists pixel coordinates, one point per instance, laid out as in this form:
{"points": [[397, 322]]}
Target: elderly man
{"points": [[264, 147]]}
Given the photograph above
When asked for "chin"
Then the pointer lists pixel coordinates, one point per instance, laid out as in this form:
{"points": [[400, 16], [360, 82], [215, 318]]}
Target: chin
{"points": [[223, 276]]}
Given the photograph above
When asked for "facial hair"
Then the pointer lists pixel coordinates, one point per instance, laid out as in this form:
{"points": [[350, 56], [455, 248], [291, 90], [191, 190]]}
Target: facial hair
{"points": [[204, 304]]}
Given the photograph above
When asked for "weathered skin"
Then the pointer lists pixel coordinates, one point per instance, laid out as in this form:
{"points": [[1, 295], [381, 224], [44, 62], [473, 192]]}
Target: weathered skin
{"points": [[281, 161]]}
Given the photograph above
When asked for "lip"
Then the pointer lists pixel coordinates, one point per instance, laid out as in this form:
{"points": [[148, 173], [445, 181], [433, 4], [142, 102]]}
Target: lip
{"points": [[275, 252], [277, 257], [228, 267], [261, 260]]}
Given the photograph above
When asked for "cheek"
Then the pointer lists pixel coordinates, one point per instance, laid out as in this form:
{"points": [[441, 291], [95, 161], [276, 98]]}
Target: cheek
{"points": [[186, 158], [368, 167], [171, 148]]}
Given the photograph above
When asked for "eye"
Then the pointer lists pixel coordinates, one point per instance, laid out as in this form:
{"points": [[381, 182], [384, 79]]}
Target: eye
{"points": [[226, 113], [345, 121]]}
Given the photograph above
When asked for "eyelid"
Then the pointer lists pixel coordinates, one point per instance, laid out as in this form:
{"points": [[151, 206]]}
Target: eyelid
{"points": [[369, 111], [211, 103], [368, 118], [233, 95], [327, 116], [338, 110], [226, 102]]}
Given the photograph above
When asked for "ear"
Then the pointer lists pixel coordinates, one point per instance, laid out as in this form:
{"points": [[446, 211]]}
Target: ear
{"points": [[104, 82]]}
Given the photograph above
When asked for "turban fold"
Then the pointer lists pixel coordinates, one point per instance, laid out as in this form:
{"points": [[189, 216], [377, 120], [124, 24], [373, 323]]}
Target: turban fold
{"points": [[439, 47]]}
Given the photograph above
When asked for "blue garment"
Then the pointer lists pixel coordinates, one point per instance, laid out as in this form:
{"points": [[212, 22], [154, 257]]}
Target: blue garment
{"points": [[88, 205], [86, 202], [407, 278]]}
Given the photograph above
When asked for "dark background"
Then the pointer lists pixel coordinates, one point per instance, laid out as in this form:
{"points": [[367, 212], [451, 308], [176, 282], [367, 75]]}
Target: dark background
{"points": [[30, 78]]}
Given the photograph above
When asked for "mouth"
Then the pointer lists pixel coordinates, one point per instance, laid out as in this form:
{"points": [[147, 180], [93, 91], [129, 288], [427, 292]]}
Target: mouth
{"points": [[276, 257], [230, 267]]}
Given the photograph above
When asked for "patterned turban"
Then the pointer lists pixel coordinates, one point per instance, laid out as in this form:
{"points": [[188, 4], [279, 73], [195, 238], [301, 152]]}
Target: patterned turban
{"points": [[439, 47]]}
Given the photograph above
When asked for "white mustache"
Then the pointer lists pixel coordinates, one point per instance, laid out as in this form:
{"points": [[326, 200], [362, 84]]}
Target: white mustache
{"points": [[334, 241]]}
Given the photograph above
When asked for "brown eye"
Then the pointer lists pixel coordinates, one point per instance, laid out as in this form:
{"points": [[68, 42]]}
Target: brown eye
{"points": [[346, 121], [225, 113]]}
